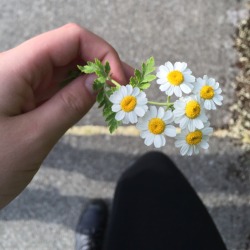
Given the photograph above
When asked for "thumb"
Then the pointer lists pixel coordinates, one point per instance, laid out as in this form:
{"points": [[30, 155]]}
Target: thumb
{"points": [[54, 117]]}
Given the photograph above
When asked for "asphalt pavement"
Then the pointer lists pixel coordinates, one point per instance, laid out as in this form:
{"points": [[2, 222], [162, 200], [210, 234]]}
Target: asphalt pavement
{"points": [[83, 166]]}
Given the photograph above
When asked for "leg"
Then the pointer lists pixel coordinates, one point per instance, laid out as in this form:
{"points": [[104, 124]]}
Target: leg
{"points": [[91, 226], [156, 208]]}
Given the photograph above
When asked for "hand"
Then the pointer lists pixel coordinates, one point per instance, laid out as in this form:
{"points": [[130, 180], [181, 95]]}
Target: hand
{"points": [[34, 110]]}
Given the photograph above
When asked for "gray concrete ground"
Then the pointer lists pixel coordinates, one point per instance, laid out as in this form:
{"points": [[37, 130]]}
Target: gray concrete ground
{"points": [[79, 168]]}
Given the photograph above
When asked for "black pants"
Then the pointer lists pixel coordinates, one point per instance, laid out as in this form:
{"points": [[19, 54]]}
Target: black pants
{"points": [[155, 208]]}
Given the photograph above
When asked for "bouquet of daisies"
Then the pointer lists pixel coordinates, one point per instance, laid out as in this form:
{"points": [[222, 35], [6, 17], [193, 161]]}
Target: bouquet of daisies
{"points": [[158, 120]]}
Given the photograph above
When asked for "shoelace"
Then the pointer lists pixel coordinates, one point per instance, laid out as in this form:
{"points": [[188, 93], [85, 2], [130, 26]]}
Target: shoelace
{"points": [[92, 241]]}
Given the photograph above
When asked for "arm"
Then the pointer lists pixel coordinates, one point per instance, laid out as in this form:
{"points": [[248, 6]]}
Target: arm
{"points": [[34, 111]]}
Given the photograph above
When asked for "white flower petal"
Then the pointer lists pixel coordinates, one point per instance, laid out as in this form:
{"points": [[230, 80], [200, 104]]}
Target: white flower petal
{"points": [[129, 89], [142, 125], [196, 150], [183, 67], [187, 71], [132, 117], [161, 81], [123, 91], [164, 87], [179, 112], [149, 140], [170, 131], [217, 101], [184, 149], [142, 100], [189, 78], [177, 91], [218, 91], [180, 143], [163, 68], [144, 134], [125, 119], [116, 97], [139, 111], [190, 151], [120, 115], [204, 145], [185, 88], [184, 122], [161, 74], [168, 116], [178, 66], [157, 141], [163, 141], [207, 131], [161, 112], [198, 123], [135, 91], [170, 90], [170, 66], [153, 111], [207, 104], [116, 108], [213, 107], [191, 126]]}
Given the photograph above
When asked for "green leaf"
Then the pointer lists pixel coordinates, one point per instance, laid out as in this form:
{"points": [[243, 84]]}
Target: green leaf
{"points": [[113, 126], [149, 78], [88, 69], [96, 67], [107, 112], [98, 85], [149, 66], [101, 104], [138, 75], [100, 96], [107, 68], [110, 117], [104, 90], [142, 79], [73, 74], [145, 86]]}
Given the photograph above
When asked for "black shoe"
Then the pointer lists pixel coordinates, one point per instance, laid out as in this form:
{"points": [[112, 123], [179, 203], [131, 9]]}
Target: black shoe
{"points": [[91, 226]]}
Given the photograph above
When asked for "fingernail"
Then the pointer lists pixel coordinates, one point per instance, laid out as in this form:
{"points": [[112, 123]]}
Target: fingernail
{"points": [[89, 80]]}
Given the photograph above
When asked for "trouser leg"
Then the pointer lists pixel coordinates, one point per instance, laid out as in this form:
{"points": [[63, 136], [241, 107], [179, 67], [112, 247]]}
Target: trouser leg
{"points": [[155, 208]]}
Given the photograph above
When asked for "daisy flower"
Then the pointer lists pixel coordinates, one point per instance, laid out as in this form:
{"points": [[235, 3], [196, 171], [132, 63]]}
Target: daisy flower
{"points": [[155, 125], [189, 113], [128, 104], [191, 142], [208, 90], [175, 79]]}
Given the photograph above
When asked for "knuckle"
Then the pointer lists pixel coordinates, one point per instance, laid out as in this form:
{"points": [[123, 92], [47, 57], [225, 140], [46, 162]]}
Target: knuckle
{"points": [[72, 103], [74, 27], [113, 52]]}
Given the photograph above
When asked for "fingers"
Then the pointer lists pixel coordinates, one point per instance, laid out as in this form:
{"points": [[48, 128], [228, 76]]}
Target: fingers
{"points": [[40, 59], [63, 110], [44, 93], [128, 70], [59, 48]]}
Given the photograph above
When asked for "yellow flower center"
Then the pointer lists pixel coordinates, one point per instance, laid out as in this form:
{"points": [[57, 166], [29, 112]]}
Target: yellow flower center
{"points": [[128, 103], [193, 109], [175, 77], [194, 138], [207, 92], [156, 126]]}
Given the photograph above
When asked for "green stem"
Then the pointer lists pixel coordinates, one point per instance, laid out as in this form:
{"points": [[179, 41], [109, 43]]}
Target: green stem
{"points": [[168, 99], [115, 83], [161, 103]]}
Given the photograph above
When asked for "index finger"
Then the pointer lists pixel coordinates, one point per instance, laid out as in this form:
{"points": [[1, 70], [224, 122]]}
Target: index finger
{"points": [[59, 47]]}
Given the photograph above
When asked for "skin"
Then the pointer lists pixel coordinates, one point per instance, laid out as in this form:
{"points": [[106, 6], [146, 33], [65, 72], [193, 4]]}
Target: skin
{"points": [[34, 110]]}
